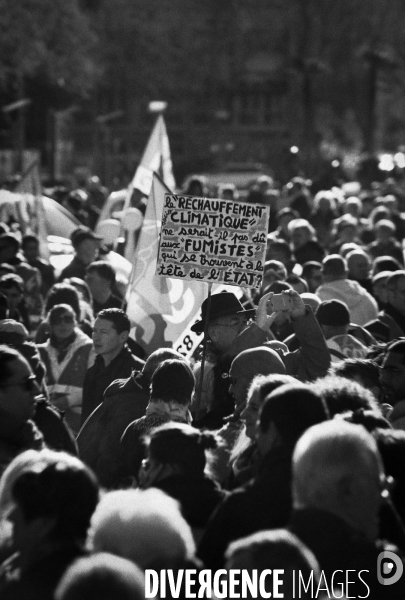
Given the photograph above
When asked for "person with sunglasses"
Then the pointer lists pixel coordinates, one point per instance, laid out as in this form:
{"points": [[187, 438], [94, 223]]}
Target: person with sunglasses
{"points": [[18, 390], [67, 354]]}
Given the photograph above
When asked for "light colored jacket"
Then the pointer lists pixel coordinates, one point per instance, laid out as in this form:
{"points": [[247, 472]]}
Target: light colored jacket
{"points": [[65, 379], [362, 306]]}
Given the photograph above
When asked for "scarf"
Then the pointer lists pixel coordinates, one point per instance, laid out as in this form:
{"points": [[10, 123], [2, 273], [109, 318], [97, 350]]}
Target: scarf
{"points": [[62, 346], [169, 410]]}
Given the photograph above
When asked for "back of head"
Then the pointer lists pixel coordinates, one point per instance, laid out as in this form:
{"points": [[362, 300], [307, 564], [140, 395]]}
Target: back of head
{"points": [[266, 384], [117, 317], [157, 357], [277, 287], [331, 458], [342, 394], [258, 361], [60, 487], [173, 380], [347, 247], [363, 370], [104, 269], [182, 446], [10, 240], [7, 355], [334, 267], [297, 283], [102, 576], [146, 527], [275, 549], [12, 280], [292, 408], [385, 263], [333, 314]]}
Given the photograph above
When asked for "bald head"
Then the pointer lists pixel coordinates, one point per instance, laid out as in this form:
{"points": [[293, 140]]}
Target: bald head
{"points": [[248, 364], [337, 469], [259, 361]]}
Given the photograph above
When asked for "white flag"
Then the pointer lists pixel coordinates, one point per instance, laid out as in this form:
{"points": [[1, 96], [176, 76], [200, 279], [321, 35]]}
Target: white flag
{"points": [[160, 309], [156, 158], [30, 185]]}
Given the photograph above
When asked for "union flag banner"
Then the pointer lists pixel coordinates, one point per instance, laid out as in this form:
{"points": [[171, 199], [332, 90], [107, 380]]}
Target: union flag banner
{"points": [[160, 309]]}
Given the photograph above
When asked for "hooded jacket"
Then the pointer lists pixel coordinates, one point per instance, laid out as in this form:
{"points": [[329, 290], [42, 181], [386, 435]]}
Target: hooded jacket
{"points": [[362, 306]]}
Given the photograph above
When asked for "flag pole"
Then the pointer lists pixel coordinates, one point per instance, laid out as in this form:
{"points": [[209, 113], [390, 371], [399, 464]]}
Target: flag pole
{"points": [[204, 348]]}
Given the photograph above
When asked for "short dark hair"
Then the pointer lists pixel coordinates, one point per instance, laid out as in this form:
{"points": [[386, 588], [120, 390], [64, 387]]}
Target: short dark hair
{"points": [[9, 240], [293, 408], [117, 317], [366, 369], [7, 355], [157, 357], [277, 287], [385, 263], [64, 293], [65, 490], [181, 445], [293, 278], [279, 245], [28, 239], [173, 380], [12, 280], [104, 269], [334, 265], [341, 394]]}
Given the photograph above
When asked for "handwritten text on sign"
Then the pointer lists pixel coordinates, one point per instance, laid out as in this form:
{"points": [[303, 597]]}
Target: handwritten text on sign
{"points": [[217, 241]]}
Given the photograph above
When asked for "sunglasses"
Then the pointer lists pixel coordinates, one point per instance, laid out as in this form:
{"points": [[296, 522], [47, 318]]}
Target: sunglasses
{"points": [[29, 384]]}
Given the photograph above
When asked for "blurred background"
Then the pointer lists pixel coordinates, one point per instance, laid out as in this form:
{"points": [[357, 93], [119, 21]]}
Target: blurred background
{"points": [[299, 87]]}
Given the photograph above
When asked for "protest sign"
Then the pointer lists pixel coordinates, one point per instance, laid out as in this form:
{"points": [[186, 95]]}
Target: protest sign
{"points": [[213, 240]]}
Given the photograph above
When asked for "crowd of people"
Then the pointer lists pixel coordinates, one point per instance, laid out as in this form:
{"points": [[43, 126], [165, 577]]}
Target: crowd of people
{"points": [[284, 450]]}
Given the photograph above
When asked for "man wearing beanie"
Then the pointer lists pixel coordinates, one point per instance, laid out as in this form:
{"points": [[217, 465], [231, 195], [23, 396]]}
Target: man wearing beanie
{"points": [[265, 502]]}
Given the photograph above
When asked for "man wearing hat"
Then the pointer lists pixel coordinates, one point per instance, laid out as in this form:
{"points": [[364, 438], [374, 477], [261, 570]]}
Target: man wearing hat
{"points": [[86, 244], [229, 334], [334, 319]]}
